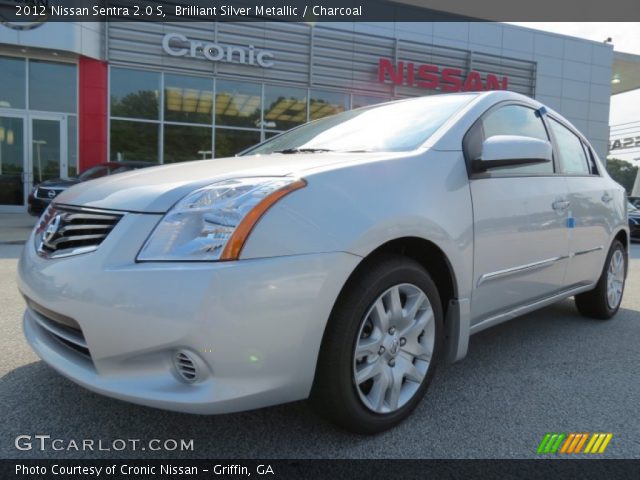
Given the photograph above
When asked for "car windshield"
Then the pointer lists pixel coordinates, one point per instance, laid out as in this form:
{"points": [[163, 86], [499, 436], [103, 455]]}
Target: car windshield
{"points": [[124, 168], [94, 172], [395, 127]]}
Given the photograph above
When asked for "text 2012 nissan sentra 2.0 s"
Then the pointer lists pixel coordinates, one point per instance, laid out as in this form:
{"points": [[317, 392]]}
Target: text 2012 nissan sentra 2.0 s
{"points": [[340, 261]]}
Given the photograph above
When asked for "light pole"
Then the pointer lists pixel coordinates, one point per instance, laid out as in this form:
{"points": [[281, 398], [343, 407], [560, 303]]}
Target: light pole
{"points": [[37, 143], [5, 135]]}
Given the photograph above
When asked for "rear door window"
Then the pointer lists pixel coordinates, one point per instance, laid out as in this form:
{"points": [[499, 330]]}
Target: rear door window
{"points": [[570, 151]]}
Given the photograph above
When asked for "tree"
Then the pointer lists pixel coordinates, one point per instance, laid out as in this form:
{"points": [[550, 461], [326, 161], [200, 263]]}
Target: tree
{"points": [[622, 172]]}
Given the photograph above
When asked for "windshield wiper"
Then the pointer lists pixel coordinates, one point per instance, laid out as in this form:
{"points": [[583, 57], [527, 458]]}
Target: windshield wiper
{"points": [[303, 150]]}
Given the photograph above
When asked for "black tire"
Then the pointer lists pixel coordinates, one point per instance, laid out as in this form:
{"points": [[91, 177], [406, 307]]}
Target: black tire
{"points": [[334, 394], [594, 303]]}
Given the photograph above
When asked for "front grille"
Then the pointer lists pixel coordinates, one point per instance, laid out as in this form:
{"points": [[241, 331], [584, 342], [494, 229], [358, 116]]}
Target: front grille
{"points": [[61, 328], [65, 231], [47, 193]]}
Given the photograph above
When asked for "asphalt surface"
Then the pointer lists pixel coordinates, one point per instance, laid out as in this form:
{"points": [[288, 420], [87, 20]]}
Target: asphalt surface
{"points": [[549, 371]]}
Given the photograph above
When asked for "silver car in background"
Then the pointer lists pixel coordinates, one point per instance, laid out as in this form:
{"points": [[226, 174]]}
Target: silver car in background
{"points": [[341, 261]]}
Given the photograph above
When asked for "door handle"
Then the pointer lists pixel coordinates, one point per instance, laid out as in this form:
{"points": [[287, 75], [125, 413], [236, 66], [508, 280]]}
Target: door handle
{"points": [[606, 198], [561, 204]]}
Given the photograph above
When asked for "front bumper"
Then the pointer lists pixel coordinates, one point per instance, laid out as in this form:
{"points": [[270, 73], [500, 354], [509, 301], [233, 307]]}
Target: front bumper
{"points": [[253, 326]]}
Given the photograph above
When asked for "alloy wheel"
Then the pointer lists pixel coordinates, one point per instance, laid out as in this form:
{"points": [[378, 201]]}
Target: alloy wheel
{"points": [[615, 279], [394, 348]]}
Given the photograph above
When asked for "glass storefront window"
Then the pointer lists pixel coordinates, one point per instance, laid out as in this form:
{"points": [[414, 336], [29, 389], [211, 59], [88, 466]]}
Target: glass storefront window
{"points": [[366, 100], [11, 160], [46, 151], [52, 86], [183, 143], [188, 99], [284, 107], [244, 113], [229, 142], [134, 93], [12, 79], [238, 104], [324, 104], [134, 141]]}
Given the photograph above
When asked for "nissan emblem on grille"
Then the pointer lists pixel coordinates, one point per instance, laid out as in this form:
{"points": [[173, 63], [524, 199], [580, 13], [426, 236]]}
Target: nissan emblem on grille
{"points": [[51, 194], [50, 231]]}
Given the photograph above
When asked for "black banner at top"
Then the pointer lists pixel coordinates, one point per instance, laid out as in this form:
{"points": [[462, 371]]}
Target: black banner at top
{"points": [[30, 13]]}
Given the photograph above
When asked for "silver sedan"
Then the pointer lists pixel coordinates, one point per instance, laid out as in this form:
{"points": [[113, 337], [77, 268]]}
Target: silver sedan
{"points": [[340, 261]]}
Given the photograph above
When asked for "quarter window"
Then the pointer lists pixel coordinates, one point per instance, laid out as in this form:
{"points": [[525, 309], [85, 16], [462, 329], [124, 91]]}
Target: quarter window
{"points": [[570, 150], [516, 120]]}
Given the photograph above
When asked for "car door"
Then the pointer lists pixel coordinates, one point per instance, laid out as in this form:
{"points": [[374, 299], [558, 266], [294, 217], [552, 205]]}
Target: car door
{"points": [[520, 236], [590, 205]]}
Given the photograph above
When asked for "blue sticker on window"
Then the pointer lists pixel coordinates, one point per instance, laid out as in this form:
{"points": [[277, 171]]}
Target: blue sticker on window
{"points": [[571, 222]]}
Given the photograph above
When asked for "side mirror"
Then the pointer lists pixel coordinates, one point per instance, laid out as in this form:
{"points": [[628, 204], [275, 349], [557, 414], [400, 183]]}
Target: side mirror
{"points": [[511, 150]]}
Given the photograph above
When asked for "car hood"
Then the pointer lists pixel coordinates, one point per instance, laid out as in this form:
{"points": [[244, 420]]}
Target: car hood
{"points": [[157, 189], [59, 183]]}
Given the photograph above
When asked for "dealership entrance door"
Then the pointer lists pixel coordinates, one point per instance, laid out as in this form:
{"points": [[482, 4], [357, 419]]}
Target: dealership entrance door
{"points": [[33, 148]]}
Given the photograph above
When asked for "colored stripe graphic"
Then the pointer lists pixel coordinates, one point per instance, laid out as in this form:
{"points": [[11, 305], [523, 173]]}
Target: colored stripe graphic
{"points": [[592, 441], [551, 442], [557, 443], [605, 443], [581, 443], [543, 443], [598, 443], [568, 443], [574, 442]]}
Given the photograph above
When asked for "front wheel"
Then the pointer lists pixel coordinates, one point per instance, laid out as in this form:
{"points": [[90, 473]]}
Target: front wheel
{"points": [[604, 300], [381, 346]]}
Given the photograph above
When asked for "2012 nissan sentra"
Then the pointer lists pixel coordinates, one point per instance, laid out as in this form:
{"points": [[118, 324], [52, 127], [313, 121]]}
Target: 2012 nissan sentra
{"points": [[340, 261]]}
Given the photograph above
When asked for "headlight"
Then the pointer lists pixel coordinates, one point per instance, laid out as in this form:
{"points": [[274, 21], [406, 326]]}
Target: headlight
{"points": [[214, 222]]}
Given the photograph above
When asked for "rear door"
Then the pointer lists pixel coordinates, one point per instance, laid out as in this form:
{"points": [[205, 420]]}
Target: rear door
{"points": [[590, 205], [520, 235]]}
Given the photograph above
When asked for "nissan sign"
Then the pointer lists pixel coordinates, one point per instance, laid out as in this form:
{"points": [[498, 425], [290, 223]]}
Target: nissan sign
{"points": [[178, 45], [435, 77]]}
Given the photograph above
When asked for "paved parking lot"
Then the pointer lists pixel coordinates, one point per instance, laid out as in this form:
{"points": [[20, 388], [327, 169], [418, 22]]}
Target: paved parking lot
{"points": [[551, 370]]}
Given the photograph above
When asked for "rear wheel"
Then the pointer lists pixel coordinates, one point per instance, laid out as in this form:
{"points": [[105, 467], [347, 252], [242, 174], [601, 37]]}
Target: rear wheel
{"points": [[380, 348], [604, 300]]}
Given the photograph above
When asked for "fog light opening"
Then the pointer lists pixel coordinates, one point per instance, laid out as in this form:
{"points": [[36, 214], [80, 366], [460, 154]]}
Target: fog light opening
{"points": [[186, 367]]}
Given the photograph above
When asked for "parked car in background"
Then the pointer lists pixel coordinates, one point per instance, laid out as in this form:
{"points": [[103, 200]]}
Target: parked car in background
{"points": [[340, 261], [634, 221], [43, 193]]}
